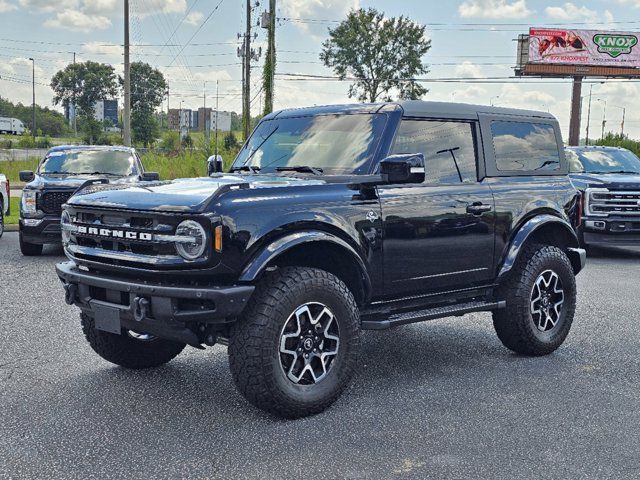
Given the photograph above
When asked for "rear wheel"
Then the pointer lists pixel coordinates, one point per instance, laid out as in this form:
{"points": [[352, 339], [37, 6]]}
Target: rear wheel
{"points": [[541, 299], [29, 249], [296, 347], [130, 349]]}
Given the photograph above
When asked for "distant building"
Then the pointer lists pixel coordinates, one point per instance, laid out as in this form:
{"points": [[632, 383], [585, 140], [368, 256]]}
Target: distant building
{"points": [[207, 120], [180, 119], [102, 110]]}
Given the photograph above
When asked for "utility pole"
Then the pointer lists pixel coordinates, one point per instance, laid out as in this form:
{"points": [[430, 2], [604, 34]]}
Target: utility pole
{"points": [[269, 22], [589, 113], [33, 91], [624, 112], [126, 115], [168, 125], [604, 114], [574, 121], [206, 127], [75, 124], [217, 96], [246, 106]]}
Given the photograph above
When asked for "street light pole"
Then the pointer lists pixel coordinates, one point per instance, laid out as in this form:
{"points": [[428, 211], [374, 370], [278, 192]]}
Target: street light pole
{"points": [[33, 91], [126, 114], [604, 115]]}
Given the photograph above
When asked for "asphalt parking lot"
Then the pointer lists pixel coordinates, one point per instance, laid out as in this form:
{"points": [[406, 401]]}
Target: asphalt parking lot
{"points": [[437, 400]]}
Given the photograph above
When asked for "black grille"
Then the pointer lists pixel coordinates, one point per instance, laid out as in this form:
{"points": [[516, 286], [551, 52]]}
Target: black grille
{"points": [[51, 202], [136, 252]]}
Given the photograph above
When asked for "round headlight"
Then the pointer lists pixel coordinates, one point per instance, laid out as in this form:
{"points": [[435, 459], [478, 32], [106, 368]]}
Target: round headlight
{"points": [[65, 224], [195, 247]]}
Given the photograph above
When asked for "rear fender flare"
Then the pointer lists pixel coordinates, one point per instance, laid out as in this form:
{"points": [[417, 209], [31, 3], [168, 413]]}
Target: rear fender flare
{"points": [[527, 230]]}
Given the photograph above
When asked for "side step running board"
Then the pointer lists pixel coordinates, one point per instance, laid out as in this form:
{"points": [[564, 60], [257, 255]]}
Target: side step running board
{"points": [[431, 314]]}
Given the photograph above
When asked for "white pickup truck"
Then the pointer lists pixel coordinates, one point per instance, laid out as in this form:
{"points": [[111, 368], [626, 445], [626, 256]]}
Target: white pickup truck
{"points": [[5, 191]]}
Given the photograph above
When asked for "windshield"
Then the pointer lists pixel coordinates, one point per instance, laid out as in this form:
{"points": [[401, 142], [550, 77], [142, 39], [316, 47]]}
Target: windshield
{"points": [[332, 144], [109, 162], [603, 161]]}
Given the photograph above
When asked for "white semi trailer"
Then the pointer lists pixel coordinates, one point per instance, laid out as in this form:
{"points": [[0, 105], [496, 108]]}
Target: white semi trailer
{"points": [[11, 125]]}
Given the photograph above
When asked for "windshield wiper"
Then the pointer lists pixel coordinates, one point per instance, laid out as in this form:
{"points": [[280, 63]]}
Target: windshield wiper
{"points": [[245, 168], [301, 169], [617, 172], [99, 173], [58, 173]]}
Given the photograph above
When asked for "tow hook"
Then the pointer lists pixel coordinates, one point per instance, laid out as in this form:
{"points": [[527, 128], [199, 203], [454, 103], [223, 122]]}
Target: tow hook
{"points": [[140, 308], [70, 293]]}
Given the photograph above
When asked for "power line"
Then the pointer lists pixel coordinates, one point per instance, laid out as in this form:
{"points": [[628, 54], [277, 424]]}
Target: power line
{"points": [[197, 30]]}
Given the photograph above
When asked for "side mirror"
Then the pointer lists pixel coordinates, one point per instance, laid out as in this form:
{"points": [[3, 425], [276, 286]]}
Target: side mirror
{"points": [[26, 176], [150, 177], [214, 164], [403, 168]]}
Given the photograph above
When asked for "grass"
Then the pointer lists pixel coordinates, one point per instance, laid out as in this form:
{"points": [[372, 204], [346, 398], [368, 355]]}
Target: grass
{"points": [[12, 168], [15, 207], [185, 164]]}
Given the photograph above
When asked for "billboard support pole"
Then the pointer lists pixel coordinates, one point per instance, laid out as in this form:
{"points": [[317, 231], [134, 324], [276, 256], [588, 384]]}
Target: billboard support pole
{"points": [[574, 123]]}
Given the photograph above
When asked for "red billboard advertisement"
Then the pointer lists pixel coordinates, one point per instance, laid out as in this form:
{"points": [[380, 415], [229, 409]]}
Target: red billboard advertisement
{"points": [[584, 47]]}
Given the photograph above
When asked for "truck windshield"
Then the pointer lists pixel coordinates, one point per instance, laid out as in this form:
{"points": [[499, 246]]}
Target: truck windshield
{"points": [[331, 144], [603, 161], [77, 162]]}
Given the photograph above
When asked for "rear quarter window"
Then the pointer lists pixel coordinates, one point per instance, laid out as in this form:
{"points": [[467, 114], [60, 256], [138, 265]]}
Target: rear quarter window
{"points": [[525, 146]]}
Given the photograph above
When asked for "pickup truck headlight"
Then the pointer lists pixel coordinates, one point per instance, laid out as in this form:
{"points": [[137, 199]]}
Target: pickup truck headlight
{"points": [[28, 202], [195, 247], [65, 224]]}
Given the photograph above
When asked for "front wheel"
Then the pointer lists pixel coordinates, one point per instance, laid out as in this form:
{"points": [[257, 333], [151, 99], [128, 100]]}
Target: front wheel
{"points": [[541, 300], [296, 347]]}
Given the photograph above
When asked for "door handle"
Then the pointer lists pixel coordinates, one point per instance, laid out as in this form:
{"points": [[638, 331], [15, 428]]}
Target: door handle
{"points": [[478, 208]]}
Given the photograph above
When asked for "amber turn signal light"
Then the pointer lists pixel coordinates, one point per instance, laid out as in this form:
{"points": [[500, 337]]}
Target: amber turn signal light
{"points": [[217, 238]]}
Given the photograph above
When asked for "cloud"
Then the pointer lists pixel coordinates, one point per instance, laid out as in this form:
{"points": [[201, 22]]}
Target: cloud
{"points": [[48, 5], [633, 3], [102, 7], [6, 6], [571, 12], [494, 9], [468, 69], [151, 7], [78, 21], [194, 18], [329, 9], [103, 48]]}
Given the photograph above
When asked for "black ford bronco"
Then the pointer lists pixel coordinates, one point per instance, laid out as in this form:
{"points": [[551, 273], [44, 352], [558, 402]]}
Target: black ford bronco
{"points": [[63, 170], [332, 220]]}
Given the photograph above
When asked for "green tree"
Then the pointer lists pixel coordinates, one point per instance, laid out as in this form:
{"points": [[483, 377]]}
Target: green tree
{"points": [[85, 84], [148, 88], [381, 54]]}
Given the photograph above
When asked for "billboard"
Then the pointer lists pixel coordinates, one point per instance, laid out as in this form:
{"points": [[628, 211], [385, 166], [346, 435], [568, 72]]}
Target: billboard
{"points": [[584, 47]]}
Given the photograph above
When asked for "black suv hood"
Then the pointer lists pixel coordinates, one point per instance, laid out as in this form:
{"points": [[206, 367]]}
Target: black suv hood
{"points": [[71, 182], [181, 195], [613, 181]]}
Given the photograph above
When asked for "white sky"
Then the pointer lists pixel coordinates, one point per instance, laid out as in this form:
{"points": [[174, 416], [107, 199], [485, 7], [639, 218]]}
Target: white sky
{"points": [[470, 39]]}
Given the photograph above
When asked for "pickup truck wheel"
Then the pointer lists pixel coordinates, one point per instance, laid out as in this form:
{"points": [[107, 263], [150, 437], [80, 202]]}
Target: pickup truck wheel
{"points": [[295, 349], [130, 349], [29, 249], [541, 300]]}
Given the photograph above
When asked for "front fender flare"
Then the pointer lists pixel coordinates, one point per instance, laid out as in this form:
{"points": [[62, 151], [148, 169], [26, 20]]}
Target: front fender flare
{"points": [[260, 261], [527, 229]]}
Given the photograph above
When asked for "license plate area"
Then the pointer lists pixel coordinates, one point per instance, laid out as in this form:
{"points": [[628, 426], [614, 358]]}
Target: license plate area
{"points": [[106, 318]]}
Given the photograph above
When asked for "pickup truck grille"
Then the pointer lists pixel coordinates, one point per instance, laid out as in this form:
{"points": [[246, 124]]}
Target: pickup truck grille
{"points": [[51, 202], [135, 239], [602, 202]]}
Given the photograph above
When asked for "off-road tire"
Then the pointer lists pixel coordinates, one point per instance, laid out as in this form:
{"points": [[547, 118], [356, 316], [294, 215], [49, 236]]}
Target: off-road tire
{"points": [[29, 249], [127, 351], [254, 355], [514, 324]]}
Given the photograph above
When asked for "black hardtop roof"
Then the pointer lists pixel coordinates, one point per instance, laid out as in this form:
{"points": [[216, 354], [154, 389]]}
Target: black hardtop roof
{"points": [[412, 108]]}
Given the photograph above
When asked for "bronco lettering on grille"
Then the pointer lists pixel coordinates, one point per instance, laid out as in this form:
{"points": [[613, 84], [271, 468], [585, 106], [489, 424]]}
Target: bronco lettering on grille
{"points": [[111, 233]]}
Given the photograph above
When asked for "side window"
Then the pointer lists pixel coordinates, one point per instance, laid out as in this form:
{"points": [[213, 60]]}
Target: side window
{"points": [[448, 148], [525, 146]]}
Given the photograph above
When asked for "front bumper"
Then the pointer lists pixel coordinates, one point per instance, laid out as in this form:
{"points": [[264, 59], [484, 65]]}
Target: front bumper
{"points": [[46, 231], [161, 309], [611, 231]]}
